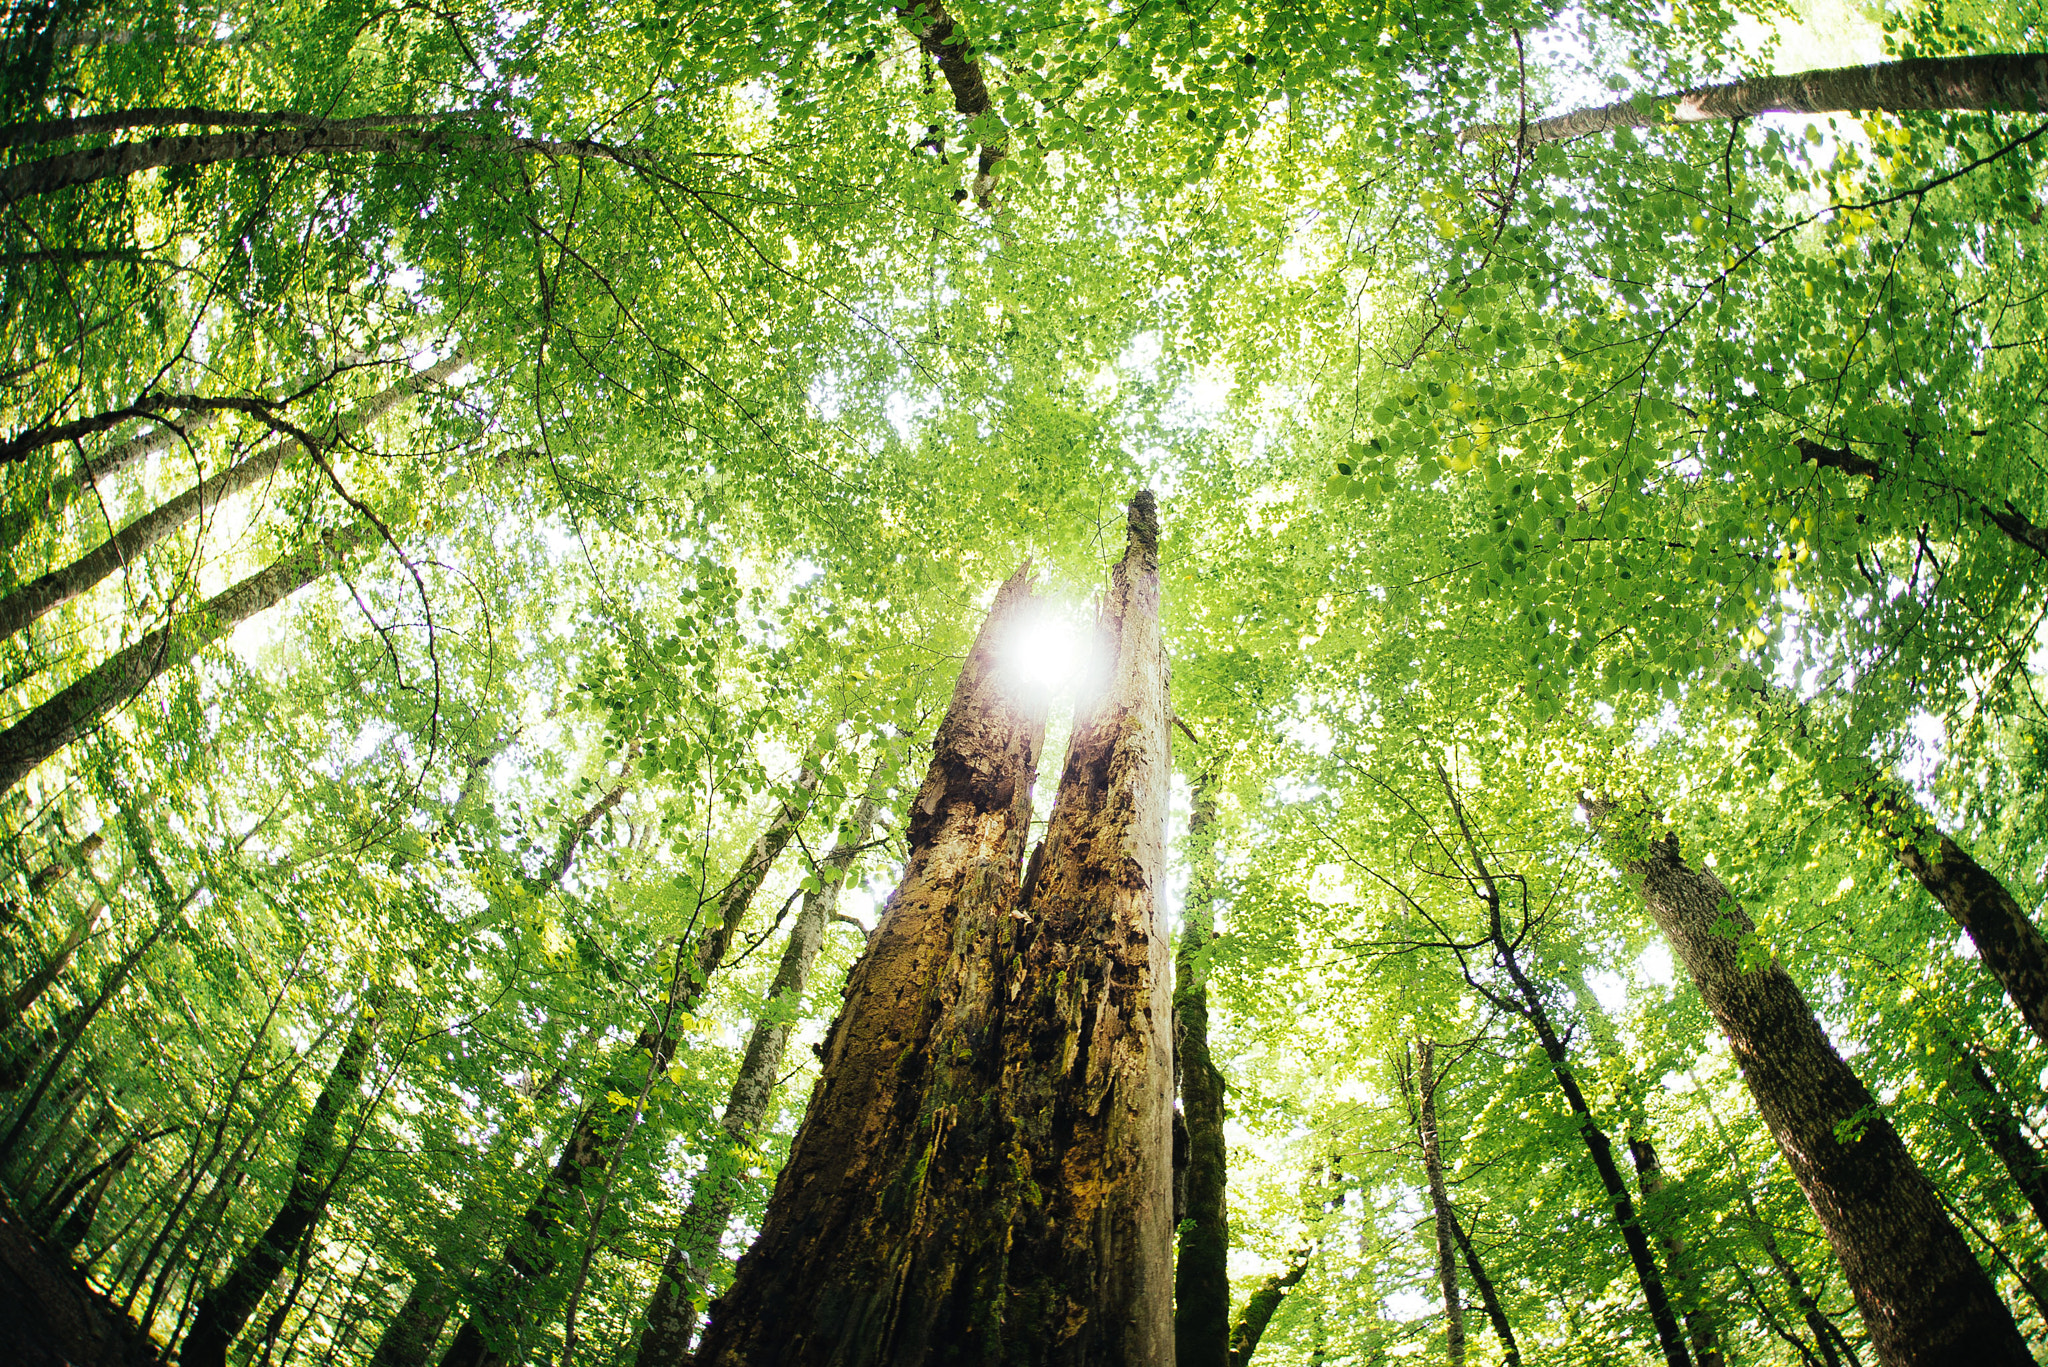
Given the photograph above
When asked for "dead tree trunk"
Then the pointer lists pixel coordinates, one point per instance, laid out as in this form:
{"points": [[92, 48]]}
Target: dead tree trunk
{"points": [[984, 1171], [521, 1295], [672, 1311], [1925, 1300], [1201, 1273]]}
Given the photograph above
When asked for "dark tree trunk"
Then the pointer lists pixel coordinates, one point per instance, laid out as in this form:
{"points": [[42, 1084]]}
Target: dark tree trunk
{"points": [[1258, 1311], [522, 1293], [2014, 81], [2006, 938], [984, 1171], [39, 982], [59, 586], [672, 1310], [62, 718], [1925, 1300], [1201, 1274], [1439, 1202], [1699, 1318], [1489, 1295], [2001, 1131], [227, 1305]]}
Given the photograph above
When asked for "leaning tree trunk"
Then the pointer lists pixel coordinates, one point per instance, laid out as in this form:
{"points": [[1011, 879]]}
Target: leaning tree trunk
{"points": [[2008, 943], [2001, 1131], [1489, 1295], [1201, 1272], [1925, 1300], [62, 718], [984, 1171], [1699, 1316], [1439, 1201], [521, 1293], [1260, 1308], [59, 586], [227, 1305], [2015, 81], [672, 1310]]}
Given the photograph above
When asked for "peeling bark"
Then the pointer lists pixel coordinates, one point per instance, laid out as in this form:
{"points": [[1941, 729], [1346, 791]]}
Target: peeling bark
{"points": [[1925, 1300], [2004, 81], [1201, 1274], [983, 1173]]}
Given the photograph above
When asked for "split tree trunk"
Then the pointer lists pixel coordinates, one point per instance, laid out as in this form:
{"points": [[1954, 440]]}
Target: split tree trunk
{"points": [[672, 1311], [520, 1295], [1489, 1294], [1201, 1273], [227, 1305], [1925, 1300], [62, 718], [66, 582], [2010, 81], [1439, 1202], [2007, 941], [984, 1170]]}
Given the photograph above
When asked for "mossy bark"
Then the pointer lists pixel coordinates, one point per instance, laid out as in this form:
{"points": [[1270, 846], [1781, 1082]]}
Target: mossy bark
{"points": [[1201, 1273], [983, 1174], [1925, 1300]]}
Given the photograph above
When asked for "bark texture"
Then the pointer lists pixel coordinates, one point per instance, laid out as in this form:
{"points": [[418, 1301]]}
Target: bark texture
{"points": [[672, 1310], [66, 582], [1439, 1202], [1258, 1310], [939, 35], [227, 1305], [1925, 1300], [1201, 1273], [2007, 941], [2015, 81], [983, 1173], [63, 717], [523, 1291]]}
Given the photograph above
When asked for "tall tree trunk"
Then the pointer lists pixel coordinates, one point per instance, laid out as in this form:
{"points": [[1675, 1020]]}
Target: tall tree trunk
{"points": [[521, 1293], [2008, 943], [1489, 1294], [1439, 1202], [1699, 1317], [1259, 1309], [38, 982], [63, 717], [227, 1305], [984, 1169], [306, 133], [66, 582], [672, 1311], [2014, 81], [2001, 1130], [1925, 1300], [1201, 1273]]}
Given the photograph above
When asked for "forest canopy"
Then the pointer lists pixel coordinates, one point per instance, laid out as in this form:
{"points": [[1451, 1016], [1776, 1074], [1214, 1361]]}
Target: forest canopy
{"points": [[1500, 821]]}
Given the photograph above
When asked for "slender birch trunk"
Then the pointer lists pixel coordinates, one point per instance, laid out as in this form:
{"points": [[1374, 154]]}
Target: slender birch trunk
{"points": [[59, 586], [226, 1306], [1489, 1294], [1439, 1202], [521, 1295], [65, 716], [1201, 1273], [1925, 1300], [672, 1311], [1993, 81]]}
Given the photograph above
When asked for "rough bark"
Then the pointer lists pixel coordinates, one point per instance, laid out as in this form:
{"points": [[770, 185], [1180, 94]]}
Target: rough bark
{"points": [[1258, 1310], [522, 1292], [66, 582], [1924, 1298], [2008, 943], [983, 1173], [2014, 81], [1489, 1294], [1201, 1274], [939, 35], [67, 170], [672, 1310], [1699, 1317], [1439, 1201], [60, 719], [226, 1306]]}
